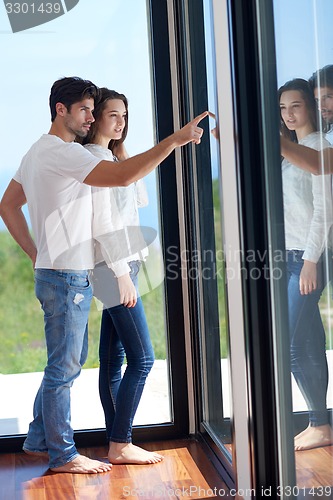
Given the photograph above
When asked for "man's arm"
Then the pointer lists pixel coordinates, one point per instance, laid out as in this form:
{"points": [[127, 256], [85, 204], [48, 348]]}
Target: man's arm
{"points": [[125, 172], [11, 212], [316, 162]]}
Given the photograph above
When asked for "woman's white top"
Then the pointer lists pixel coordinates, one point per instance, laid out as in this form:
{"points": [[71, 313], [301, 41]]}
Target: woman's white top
{"points": [[116, 220], [307, 201]]}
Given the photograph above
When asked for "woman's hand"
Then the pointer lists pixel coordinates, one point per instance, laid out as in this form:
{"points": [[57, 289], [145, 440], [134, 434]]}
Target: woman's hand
{"points": [[308, 278], [127, 291]]}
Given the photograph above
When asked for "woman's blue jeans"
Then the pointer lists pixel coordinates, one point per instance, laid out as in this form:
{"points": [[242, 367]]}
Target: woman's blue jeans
{"points": [[65, 298], [307, 339], [124, 330]]}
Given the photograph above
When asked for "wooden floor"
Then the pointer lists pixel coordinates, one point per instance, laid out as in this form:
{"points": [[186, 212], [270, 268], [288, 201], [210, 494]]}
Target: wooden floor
{"points": [[185, 472], [314, 473], [314, 468]]}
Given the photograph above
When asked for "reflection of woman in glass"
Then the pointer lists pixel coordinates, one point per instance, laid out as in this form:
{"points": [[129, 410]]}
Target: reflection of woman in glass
{"points": [[308, 215], [124, 328]]}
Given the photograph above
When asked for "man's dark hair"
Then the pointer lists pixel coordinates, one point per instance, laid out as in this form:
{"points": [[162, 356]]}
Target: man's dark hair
{"points": [[70, 90], [322, 77]]}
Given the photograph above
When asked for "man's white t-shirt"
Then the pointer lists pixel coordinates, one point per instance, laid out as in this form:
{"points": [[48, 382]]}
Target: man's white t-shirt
{"points": [[329, 135], [60, 205]]}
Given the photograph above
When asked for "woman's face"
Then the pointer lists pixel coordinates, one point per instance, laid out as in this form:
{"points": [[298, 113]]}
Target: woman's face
{"points": [[293, 110], [112, 121]]}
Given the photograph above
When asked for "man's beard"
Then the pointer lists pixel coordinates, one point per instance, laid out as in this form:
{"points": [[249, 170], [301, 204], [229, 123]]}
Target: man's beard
{"points": [[81, 133]]}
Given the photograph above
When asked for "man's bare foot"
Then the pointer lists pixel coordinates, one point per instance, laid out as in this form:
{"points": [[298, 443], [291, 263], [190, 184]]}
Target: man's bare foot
{"points": [[128, 453], [314, 437], [83, 465], [36, 453]]}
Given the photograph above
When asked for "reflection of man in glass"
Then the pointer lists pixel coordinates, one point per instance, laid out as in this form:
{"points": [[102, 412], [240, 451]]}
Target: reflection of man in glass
{"points": [[322, 84], [307, 158]]}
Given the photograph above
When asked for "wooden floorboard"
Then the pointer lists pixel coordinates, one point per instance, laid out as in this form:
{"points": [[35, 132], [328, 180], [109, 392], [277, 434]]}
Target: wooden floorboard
{"points": [[314, 468], [184, 471]]}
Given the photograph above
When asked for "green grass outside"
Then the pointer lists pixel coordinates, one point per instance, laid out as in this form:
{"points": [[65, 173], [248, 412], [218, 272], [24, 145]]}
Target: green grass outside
{"points": [[21, 319]]}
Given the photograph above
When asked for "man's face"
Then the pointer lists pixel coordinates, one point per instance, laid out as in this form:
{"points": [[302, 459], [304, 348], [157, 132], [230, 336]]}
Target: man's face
{"points": [[79, 118], [324, 98]]}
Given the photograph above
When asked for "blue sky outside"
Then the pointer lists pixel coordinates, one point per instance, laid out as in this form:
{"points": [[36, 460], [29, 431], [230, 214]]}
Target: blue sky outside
{"points": [[304, 37], [109, 45]]}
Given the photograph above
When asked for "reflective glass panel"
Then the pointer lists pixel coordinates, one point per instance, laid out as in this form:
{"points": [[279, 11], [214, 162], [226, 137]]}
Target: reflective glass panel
{"points": [[107, 46], [304, 48], [217, 400]]}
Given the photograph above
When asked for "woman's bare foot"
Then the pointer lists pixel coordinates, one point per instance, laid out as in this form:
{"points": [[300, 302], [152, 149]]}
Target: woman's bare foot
{"points": [[314, 437], [128, 453], [83, 465], [36, 453]]}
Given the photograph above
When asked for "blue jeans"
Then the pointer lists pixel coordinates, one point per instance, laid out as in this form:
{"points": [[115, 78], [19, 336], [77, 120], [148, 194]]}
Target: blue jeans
{"points": [[123, 330], [307, 339], [65, 298]]}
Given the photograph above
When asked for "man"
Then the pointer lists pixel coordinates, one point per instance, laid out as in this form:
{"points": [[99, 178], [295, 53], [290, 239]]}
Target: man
{"points": [[54, 179], [322, 84], [316, 162]]}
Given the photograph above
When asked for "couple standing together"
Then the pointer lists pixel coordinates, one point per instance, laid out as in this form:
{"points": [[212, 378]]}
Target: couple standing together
{"points": [[55, 179], [308, 217], [61, 183]]}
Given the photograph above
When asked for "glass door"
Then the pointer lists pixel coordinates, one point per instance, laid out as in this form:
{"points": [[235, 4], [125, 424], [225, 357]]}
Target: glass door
{"points": [[204, 255], [34, 57], [305, 73], [277, 221], [249, 431]]}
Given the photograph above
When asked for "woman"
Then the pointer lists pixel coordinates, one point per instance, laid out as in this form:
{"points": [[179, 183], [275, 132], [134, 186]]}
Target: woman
{"points": [[308, 216], [123, 328]]}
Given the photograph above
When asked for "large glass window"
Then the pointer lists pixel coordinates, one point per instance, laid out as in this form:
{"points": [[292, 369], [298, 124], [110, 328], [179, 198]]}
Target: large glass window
{"points": [[205, 259], [108, 46], [304, 44], [218, 412]]}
